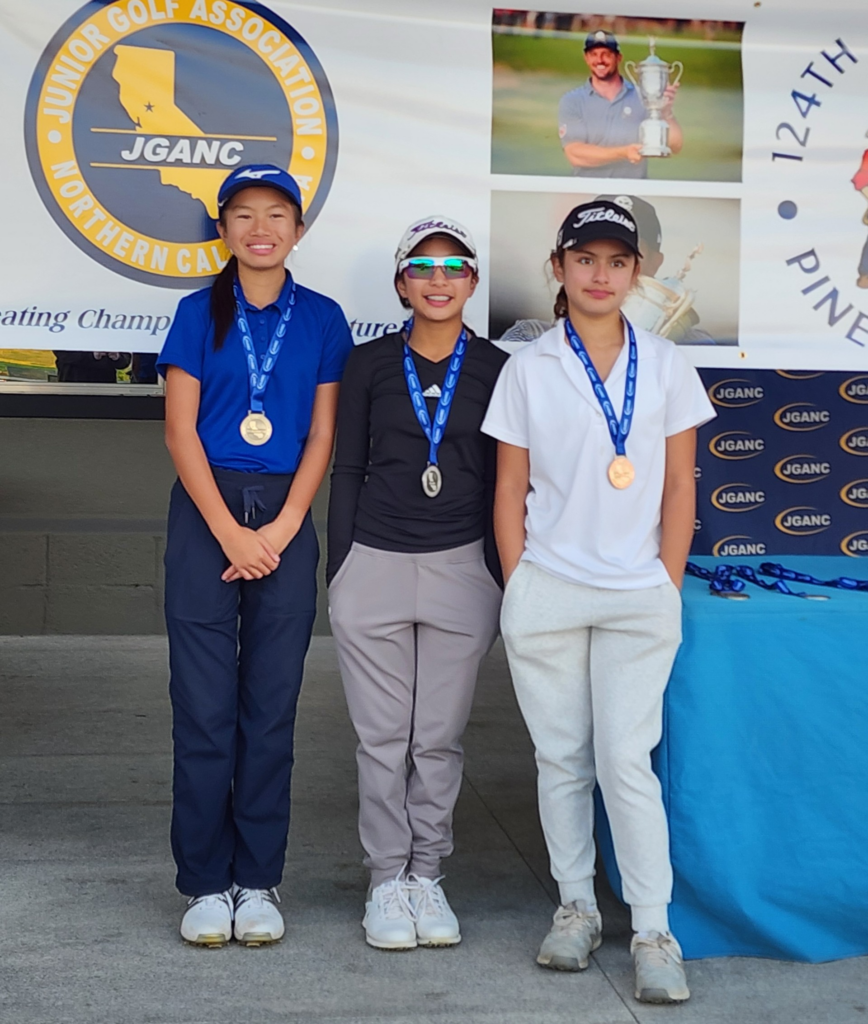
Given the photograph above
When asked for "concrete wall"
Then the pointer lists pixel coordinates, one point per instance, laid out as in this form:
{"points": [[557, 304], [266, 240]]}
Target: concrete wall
{"points": [[82, 526]]}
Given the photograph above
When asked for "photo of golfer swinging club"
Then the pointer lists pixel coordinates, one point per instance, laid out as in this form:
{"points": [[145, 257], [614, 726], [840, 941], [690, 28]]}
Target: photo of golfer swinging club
{"points": [[688, 283], [604, 96]]}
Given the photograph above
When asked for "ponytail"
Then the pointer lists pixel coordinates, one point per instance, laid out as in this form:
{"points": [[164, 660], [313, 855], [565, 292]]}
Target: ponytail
{"points": [[561, 309], [223, 302]]}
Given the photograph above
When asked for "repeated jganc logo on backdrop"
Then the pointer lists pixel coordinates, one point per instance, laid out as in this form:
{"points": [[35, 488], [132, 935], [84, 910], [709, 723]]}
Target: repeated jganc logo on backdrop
{"points": [[856, 544], [802, 521], [855, 389], [855, 441], [737, 497], [802, 469], [735, 393], [139, 109], [737, 545], [736, 444], [802, 416], [855, 493]]}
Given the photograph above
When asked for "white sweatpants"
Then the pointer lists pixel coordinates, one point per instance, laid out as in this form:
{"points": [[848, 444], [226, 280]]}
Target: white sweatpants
{"points": [[590, 667]]}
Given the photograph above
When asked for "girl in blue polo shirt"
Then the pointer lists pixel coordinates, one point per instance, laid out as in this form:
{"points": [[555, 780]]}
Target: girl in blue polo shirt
{"points": [[252, 367]]}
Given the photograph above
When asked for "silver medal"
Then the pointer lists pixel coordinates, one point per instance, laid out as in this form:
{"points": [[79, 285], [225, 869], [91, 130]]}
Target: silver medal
{"points": [[432, 480]]}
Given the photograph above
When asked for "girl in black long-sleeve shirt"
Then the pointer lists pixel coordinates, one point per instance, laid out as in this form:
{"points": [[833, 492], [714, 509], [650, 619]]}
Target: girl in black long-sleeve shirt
{"points": [[413, 604]]}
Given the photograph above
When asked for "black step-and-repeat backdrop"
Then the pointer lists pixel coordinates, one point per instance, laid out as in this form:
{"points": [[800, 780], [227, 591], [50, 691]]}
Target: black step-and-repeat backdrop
{"points": [[783, 469]]}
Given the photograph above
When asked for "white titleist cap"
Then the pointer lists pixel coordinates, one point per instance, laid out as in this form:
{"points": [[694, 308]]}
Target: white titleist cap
{"points": [[435, 225]]}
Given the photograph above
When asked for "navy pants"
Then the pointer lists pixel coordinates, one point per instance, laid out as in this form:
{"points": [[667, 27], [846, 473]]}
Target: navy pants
{"points": [[236, 653]]}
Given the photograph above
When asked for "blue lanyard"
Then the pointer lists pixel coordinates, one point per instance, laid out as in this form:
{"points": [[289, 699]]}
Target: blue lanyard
{"points": [[260, 375], [434, 432], [619, 430], [730, 579], [781, 573]]}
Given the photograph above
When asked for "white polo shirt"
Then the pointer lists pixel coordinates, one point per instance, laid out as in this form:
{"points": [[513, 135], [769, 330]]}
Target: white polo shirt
{"points": [[579, 527]]}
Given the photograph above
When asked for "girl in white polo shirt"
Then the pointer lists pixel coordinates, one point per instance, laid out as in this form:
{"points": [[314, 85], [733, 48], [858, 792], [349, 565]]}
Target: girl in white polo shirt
{"points": [[594, 514]]}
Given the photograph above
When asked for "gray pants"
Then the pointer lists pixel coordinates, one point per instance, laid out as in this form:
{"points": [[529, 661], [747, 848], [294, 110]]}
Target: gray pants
{"points": [[590, 667], [411, 630]]}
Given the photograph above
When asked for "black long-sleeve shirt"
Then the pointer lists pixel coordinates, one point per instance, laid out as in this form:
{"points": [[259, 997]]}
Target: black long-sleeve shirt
{"points": [[376, 485]]}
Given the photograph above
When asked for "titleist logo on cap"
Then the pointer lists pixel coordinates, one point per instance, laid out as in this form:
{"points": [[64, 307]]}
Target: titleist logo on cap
{"points": [[603, 213], [445, 225]]}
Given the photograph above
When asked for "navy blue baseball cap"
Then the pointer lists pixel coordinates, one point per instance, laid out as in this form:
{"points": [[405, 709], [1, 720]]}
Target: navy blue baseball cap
{"points": [[262, 175], [602, 38], [597, 221]]}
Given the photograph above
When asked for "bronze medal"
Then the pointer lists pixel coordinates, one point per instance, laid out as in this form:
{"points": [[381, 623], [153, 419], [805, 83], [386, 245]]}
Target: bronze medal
{"points": [[621, 472]]}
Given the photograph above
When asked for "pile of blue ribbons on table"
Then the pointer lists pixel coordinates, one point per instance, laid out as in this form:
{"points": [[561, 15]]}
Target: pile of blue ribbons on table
{"points": [[731, 580]]}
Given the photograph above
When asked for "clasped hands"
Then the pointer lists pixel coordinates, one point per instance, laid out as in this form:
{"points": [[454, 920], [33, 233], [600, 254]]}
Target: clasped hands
{"points": [[254, 554]]}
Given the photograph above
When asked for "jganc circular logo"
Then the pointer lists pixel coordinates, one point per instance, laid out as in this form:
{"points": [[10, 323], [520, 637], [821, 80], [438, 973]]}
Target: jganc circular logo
{"points": [[737, 497], [139, 109]]}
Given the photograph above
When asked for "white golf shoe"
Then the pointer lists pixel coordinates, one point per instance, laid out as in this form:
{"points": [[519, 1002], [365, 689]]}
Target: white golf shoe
{"points": [[208, 920], [659, 964], [258, 922], [389, 919], [574, 935], [436, 923]]}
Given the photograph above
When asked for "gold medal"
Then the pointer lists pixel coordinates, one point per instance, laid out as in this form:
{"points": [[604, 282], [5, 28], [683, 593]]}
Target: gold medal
{"points": [[432, 480], [621, 472], [256, 428]]}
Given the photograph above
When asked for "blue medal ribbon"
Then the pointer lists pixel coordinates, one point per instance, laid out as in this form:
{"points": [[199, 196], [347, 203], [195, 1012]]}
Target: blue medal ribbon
{"points": [[433, 431], [259, 375], [619, 430], [781, 573], [730, 579]]}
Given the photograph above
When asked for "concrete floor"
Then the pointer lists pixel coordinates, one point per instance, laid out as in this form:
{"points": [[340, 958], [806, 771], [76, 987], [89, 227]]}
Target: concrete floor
{"points": [[89, 914]]}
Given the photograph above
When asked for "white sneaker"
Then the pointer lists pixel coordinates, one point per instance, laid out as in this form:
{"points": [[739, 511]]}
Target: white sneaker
{"points": [[574, 935], [257, 919], [659, 964], [436, 924], [208, 920], [389, 919]]}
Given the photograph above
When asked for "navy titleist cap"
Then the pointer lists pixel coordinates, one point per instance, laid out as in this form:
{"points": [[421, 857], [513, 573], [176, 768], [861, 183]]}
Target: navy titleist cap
{"points": [[262, 175], [601, 38], [645, 216], [601, 219]]}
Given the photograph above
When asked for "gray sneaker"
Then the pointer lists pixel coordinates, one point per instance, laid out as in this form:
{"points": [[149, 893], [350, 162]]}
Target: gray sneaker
{"points": [[659, 964], [575, 934]]}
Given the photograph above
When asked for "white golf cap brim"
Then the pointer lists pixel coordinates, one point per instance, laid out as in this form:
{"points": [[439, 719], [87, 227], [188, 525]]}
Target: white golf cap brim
{"points": [[434, 225]]}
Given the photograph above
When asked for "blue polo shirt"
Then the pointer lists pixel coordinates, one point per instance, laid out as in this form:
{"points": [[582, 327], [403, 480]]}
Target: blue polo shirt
{"points": [[314, 352], [586, 116]]}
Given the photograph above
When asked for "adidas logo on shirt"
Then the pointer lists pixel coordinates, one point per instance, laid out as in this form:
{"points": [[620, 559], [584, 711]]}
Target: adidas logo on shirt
{"points": [[432, 392]]}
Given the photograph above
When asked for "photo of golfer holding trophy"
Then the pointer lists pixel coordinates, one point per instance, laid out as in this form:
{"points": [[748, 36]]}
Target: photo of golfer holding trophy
{"points": [[608, 96], [609, 126]]}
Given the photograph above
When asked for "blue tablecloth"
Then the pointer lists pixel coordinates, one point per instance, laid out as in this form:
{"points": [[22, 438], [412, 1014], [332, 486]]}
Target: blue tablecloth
{"points": [[764, 768]]}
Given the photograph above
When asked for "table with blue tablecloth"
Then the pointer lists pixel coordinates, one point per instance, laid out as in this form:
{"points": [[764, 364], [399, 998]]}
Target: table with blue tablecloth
{"points": [[764, 769]]}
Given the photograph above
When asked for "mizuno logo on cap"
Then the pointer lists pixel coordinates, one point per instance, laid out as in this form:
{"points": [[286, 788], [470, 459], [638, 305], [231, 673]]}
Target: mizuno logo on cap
{"points": [[256, 175]]}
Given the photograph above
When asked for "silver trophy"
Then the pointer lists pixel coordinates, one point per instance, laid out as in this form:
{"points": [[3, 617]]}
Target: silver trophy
{"points": [[652, 77], [664, 307]]}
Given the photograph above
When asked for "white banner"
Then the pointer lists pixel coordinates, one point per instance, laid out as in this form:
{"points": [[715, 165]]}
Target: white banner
{"points": [[120, 119]]}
